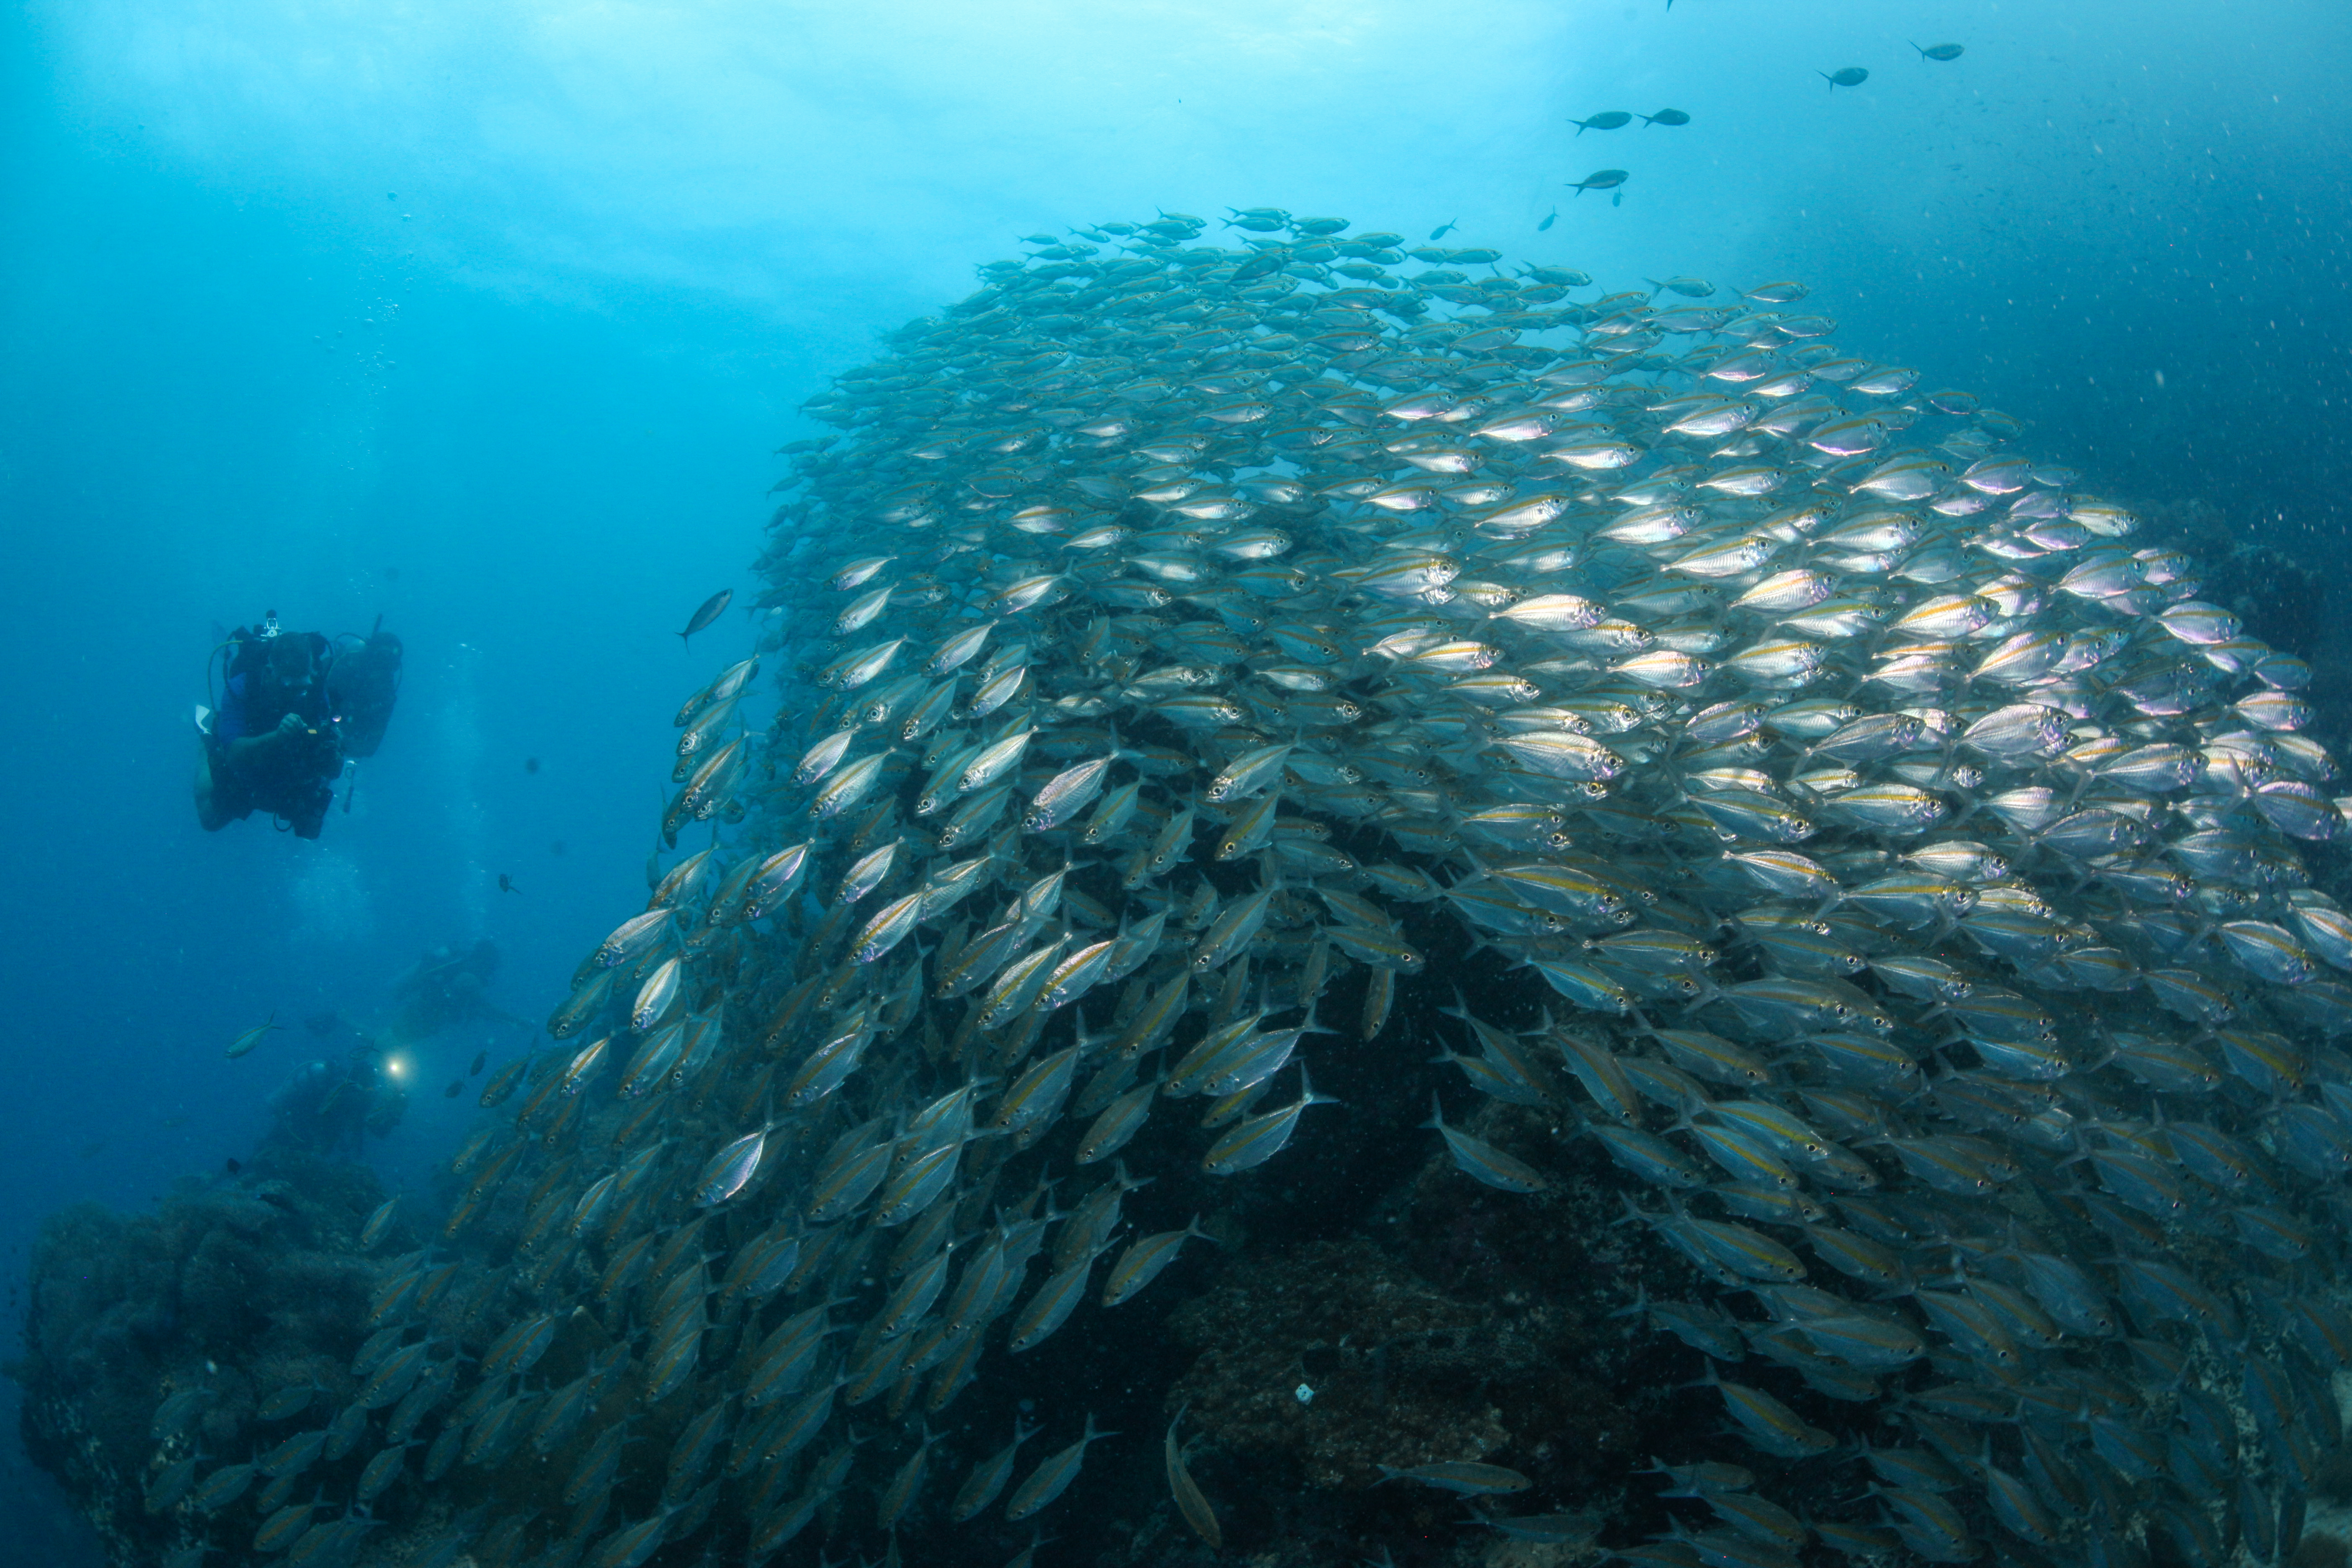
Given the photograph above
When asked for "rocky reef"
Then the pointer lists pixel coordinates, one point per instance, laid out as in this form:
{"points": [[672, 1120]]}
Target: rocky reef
{"points": [[230, 1290]]}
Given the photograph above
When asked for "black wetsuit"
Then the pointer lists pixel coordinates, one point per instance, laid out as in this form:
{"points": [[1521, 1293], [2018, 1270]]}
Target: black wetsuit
{"points": [[294, 707], [258, 761], [329, 1106]]}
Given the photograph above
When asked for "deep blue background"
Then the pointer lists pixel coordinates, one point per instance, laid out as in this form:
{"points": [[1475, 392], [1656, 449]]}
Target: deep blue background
{"points": [[488, 318]]}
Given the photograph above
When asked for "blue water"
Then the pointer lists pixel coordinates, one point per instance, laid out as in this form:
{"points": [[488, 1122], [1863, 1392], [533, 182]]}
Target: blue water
{"points": [[488, 318]]}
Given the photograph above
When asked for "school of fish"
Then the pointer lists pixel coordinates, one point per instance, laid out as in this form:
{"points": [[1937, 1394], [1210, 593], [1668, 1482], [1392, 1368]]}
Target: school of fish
{"points": [[1914, 869]]}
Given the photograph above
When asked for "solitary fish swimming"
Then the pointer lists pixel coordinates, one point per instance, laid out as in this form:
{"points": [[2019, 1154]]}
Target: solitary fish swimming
{"points": [[1599, 180], [1666, 117], [245, 1043], [1609, 120], [712, 608], [1940, 51], [1851, 76]]}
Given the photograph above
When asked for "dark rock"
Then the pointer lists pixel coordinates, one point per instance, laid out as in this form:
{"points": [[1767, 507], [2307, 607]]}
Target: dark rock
{"points": [[237, 1288]]}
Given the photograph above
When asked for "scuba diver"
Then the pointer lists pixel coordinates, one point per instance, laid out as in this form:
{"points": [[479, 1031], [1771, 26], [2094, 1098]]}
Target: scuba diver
{"points": [[327, 1108], [445, 988], [293, 712]]}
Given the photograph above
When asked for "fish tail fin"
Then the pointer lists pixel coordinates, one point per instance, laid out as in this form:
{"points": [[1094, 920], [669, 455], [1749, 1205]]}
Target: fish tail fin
{"points": [[1706, 1379]]}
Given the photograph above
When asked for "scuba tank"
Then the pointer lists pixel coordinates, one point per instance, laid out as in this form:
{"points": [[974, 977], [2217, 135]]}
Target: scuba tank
{"points": [[363, 685]]}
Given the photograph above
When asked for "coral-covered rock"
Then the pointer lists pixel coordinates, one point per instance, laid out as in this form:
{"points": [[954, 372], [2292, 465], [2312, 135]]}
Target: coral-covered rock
{"points": [[229, 1290]]}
